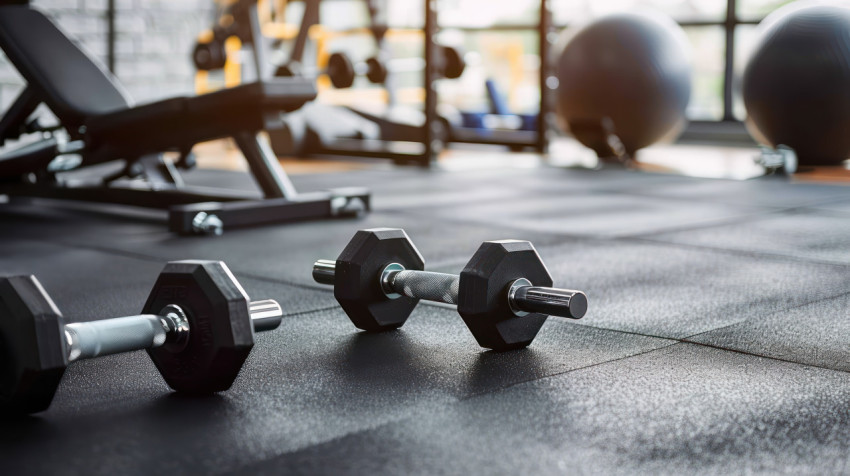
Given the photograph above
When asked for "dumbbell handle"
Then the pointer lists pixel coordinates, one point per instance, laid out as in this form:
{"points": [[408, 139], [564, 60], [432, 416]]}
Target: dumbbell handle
{"points": [[523, 297], [395, 65], [146, 331]]}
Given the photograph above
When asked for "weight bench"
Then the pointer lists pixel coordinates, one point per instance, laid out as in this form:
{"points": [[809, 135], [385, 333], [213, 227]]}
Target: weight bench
{"points": [[101, 125]]}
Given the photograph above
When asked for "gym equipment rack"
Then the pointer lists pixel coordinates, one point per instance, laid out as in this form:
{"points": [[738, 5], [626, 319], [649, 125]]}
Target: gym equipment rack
{"points": [[539, 138]]}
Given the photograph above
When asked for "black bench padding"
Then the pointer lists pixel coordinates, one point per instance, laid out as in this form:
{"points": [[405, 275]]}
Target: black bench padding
{"points": [[81, 93], [72, 85], [105, 128], [179, 123]]}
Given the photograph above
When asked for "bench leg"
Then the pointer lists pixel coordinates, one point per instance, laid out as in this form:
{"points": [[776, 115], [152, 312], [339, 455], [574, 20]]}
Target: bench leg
{"points": [[265, 167]]}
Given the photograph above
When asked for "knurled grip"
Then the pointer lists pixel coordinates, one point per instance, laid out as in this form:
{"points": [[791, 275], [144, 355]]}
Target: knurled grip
{"points": [[427, 285]]}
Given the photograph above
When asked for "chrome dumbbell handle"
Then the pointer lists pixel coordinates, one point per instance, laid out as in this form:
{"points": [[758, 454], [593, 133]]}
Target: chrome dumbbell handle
{"points": [[396, 281], [523, 297], [427, 285], [146, 331]]}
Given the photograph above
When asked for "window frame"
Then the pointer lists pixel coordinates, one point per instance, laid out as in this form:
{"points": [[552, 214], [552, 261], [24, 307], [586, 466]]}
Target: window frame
{"points": [[728, 129], [730, 23]]}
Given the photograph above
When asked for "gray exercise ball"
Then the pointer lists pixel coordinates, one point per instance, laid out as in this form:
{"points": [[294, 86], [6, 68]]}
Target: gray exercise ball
{"points": [[633, 69], [796, 85]]}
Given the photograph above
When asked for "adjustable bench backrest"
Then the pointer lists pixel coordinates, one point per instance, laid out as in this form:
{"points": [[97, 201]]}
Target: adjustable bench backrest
{"points": [[72, 85]]}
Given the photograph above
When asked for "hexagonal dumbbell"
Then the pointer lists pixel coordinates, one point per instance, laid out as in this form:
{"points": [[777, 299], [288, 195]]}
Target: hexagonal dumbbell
{"points": [[197, 325], [502, 294]]}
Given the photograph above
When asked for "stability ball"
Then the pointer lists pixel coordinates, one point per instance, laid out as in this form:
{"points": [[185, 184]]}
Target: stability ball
{"points": [[796, 85], [630, 71]]}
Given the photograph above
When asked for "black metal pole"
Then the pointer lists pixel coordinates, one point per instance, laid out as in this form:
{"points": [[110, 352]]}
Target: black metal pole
{"points": [[430, 80], [547, 78], [110, 36], [729, 76]]}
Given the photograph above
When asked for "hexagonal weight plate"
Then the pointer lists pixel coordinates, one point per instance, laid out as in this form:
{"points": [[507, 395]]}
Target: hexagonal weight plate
{"points": [[341, 71], [33, 351], [357, 285], [221, 334], [483, 293]]}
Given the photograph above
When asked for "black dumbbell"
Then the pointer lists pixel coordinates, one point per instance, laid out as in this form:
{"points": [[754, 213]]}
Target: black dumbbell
{"points": [[209, 56], [502, 294], [450, 64], [210, 52], [342, 71], [197, 326]]}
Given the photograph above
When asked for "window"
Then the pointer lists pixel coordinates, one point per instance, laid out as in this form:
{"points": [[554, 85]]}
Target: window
{"points": [[722, 33], [501, 37]]}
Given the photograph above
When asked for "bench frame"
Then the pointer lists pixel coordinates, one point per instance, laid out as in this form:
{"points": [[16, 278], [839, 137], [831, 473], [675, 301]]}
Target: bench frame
{"points": [[44, 170]]}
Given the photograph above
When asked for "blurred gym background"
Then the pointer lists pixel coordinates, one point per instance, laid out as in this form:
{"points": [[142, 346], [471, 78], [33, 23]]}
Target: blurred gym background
{"points": [[148, 45]]}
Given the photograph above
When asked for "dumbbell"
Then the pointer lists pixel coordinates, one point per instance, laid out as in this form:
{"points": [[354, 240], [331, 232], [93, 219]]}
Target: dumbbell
{"points": [[450, 64], [197, 326], [503, 294], [342, 71], [209, 56], [209, 52]]}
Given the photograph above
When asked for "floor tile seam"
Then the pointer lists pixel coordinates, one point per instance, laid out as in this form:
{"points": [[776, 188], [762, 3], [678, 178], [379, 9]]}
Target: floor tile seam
{"points": [[738, 218], [765, 214], [768, 314], [566, 322], [331, 440], [639, 193], [672, 343], [823, 212], [813, 203], [591, 239], [761, 356], [672, 340], [667, 344], [687, 339], [143, 257], [404, 208], [160, 259], [268, 279], [562, 322], [310, 311], [101, 249], [453, 401], [734, 251], [842, 197], [557, 321], [554, 234], [770, 213]]}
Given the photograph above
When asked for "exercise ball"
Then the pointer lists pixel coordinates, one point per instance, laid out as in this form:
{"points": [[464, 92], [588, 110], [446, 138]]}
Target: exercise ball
{"points": [[631, 71], [796, 85]]}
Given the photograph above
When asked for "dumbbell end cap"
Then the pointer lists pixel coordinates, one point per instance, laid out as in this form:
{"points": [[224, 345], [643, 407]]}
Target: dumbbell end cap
{"points": [[266, 315], [566, 303], [578, 306], [324, 271]]}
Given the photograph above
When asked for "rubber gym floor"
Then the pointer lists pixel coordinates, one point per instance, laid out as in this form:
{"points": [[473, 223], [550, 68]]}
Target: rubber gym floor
{"points": [[716, 340]]}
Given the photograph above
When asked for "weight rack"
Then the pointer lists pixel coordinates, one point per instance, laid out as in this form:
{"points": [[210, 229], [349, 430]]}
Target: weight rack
{"points": [[539, 138]]}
